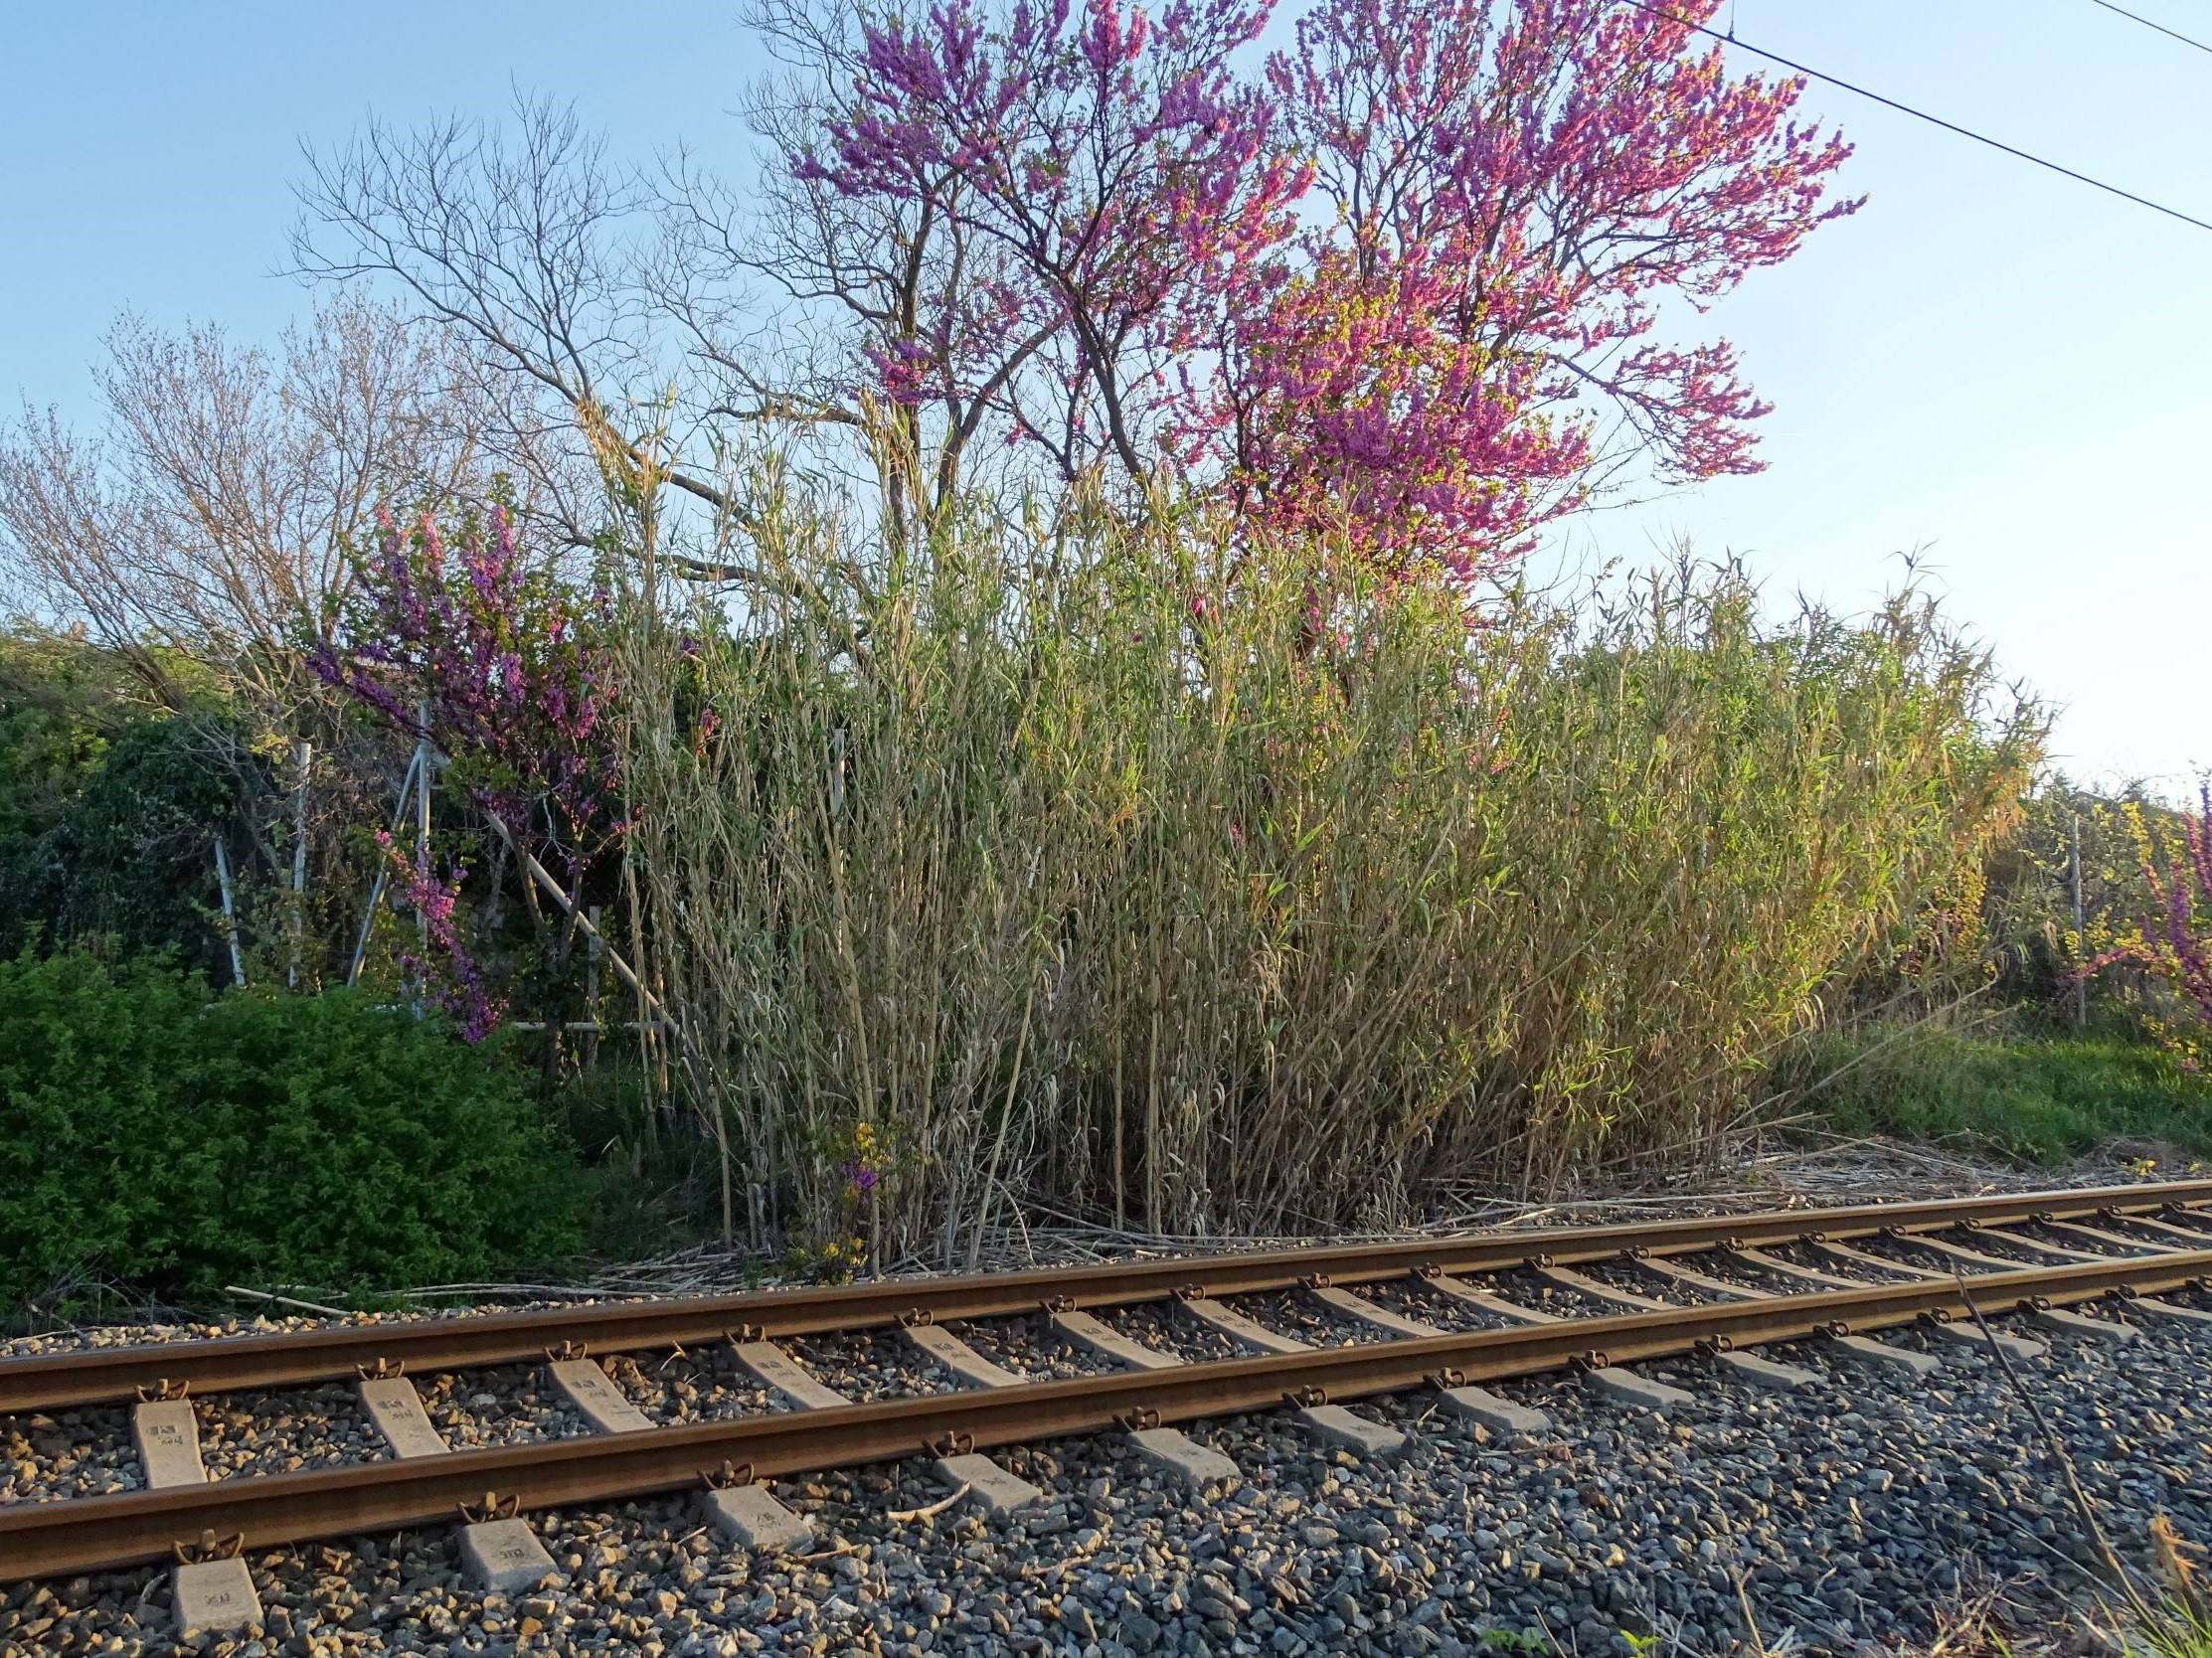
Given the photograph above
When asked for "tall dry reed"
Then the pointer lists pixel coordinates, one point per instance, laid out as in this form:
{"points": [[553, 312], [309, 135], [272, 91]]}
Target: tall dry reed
{"points": [[1094, 869]]}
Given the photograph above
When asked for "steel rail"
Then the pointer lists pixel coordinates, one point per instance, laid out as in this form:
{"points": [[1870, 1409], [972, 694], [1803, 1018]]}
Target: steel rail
{"points": [[88, 1533], [56, 1380]]}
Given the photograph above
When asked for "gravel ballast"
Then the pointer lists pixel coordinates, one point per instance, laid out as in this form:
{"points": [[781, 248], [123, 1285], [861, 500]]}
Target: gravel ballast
{"points": [[1852, 1514]]}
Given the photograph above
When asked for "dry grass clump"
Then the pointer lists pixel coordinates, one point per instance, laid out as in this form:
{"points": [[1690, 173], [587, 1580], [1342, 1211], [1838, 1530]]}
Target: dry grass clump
{"points": [[1112, 872]]}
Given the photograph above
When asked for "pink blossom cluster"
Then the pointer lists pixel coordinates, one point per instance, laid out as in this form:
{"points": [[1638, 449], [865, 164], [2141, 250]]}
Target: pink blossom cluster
{"points": [[496, 662], [1121, 176], [1403, 281], [461, 988], [484, 652]]}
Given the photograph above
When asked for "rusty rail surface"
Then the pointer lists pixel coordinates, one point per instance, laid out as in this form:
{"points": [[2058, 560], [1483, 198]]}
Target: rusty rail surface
{"points": [[57, 1539], [56, 1380]]}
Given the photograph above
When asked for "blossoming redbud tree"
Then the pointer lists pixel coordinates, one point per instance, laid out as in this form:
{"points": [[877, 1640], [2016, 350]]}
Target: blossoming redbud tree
{"points": [[463, 641], [1405, 280]]}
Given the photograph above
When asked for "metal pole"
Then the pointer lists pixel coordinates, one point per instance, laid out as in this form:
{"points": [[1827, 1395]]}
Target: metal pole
{"points": [[423, 822], [229, 911], [2080, 931], [306, 755], [376, 890]]}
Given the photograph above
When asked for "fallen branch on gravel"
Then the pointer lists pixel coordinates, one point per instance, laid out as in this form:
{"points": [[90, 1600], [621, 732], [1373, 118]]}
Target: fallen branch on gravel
{"points": [[285, 1302], [1068, 1563], [930, 1510]]}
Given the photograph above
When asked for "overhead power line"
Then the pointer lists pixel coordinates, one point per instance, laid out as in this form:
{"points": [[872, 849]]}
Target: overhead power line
{"points": [[2170, 34], [1811, 74]]}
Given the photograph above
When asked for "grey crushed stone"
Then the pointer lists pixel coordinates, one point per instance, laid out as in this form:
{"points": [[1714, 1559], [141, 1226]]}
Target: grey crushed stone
{"points": [[1164, 1325], [1031, 1347], [85, 1452], [508, 1405], [1296, 1314], [704, 1385], [868, 1364], [285, 1431], [1847, 1514]]}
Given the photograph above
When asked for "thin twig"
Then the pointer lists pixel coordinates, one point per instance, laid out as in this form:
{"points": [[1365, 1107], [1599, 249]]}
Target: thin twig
{"points": [[1743, 1599], [930, 1510], [287, 1301], [1066, 1563], [2053, 1443]]}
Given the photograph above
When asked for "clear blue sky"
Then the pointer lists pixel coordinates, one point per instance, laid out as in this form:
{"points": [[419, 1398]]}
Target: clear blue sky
{"points": [[1991, 364]]}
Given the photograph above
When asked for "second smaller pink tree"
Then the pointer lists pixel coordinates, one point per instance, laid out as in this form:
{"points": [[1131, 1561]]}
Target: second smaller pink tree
{"points": [[454, 634]]}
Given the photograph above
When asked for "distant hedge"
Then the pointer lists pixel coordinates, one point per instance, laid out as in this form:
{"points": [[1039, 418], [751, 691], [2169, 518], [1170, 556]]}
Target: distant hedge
{"points": [[157, 1134]]}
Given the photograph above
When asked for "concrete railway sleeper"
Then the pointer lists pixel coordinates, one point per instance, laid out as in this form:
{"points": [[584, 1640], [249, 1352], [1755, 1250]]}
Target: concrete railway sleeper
{"points": [[53, 1381], [490, 1489]]}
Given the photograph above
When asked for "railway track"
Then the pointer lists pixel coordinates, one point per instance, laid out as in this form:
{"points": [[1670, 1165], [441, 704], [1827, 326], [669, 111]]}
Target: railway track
{"points": [[1315, 1328]]}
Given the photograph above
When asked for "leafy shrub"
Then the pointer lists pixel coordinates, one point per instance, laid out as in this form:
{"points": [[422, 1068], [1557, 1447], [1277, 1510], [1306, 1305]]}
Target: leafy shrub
{"points": [[2039, 951], [132, 854], [154, 1131], [109, 806], [61, 702]]}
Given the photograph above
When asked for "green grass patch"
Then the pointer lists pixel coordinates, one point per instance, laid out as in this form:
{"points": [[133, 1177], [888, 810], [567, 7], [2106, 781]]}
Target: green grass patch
{"points": [[2043, 1099]]}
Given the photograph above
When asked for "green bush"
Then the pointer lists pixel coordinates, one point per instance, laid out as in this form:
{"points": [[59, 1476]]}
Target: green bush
{"points": [[131, 858], [109, 806], [155, 1132]]}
